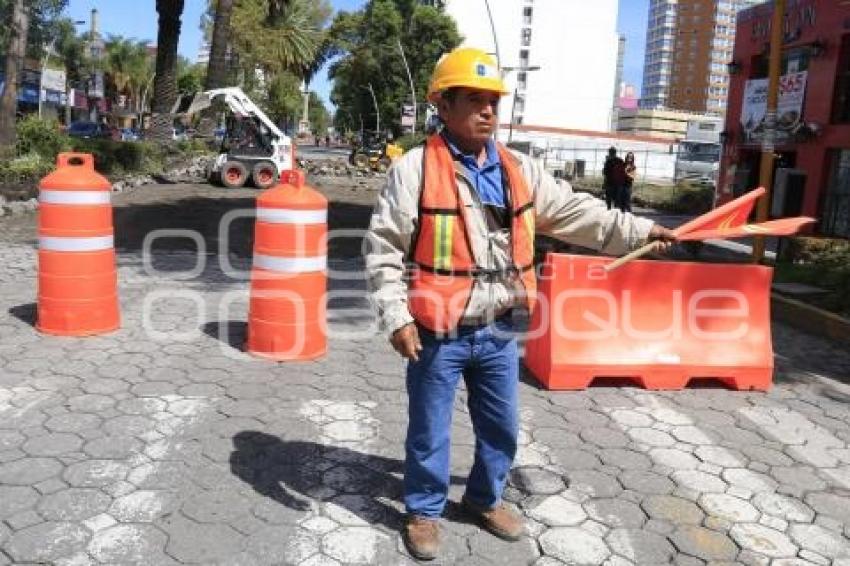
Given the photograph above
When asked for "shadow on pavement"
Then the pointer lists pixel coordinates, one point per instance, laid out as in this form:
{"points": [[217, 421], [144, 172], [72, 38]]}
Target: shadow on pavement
{"points": [[230, 332], [286, 471], [26, 313]]}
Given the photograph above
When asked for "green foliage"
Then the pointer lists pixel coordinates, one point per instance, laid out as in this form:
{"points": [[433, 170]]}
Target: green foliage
{"points": [[318, 115], [40, 137], [25, 169], [190, 78], [410, 141], [43, 18], [369, 40], [822, 262]]}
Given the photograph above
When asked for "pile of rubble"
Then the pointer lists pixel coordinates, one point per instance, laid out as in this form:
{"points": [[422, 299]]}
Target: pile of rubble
{"points": [[334, 168]]}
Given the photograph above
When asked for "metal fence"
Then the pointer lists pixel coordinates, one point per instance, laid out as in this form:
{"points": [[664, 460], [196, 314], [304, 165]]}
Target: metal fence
{"points": [[570, 162]]}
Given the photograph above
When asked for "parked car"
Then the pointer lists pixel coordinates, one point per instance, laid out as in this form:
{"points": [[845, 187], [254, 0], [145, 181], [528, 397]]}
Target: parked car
{"points": [[89, 130]]}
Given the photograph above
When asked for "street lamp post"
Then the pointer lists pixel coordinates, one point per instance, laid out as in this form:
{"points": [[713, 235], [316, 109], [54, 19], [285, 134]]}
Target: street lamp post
{"points": [[409, 78], [377, 111]]}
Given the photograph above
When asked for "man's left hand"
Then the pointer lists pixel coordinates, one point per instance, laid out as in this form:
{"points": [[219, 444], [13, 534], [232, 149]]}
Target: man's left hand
{"points": [[663, 238]]}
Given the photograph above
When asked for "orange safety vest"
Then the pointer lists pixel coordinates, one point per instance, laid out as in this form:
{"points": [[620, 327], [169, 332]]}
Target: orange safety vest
{"points": [[445, 269]]}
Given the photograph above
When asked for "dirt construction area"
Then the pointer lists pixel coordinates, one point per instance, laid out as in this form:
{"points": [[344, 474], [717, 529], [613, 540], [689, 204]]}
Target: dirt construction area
{"points": [[163, 443]]}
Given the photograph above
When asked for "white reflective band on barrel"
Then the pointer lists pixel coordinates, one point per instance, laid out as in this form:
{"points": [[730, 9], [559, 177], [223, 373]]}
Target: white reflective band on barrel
{"points": [[57, 244], [291, 264], [290, 216], [74, 197]]}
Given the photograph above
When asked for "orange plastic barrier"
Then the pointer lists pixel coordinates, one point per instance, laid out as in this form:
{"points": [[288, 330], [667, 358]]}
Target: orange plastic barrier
{"points": [[287, 310], [657, 323], [77, 280]]}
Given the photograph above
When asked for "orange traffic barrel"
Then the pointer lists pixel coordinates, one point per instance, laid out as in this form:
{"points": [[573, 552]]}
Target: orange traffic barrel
{"points": [[658, 324], [287, 309], [77, 279]]}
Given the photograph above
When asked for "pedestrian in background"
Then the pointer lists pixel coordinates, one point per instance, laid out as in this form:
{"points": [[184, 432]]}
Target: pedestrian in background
{"points": [[626, 193], [614, 178]]}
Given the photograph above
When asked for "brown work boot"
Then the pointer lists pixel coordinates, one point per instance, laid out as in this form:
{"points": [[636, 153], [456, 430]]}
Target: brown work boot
{"points": [[499, 520], [422, 537]]}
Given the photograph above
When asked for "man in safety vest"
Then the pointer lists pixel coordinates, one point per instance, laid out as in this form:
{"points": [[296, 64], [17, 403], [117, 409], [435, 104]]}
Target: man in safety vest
{"points": [[450, 257]]}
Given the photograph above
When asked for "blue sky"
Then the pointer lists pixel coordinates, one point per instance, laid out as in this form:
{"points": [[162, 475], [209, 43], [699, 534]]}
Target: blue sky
{"points": [[137, 18]]}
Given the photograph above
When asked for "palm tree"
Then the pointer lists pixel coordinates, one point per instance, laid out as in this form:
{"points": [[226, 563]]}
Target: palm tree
{"points": [[165, 81], [218, 65], [118, 61], [14, 62]]}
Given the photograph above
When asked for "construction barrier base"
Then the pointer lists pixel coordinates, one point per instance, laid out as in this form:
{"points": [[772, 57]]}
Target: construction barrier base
{"points": [[659, 325], [77, 318]]}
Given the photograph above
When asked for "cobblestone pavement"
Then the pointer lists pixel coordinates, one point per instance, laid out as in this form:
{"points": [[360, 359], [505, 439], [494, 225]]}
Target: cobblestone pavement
{"points": [[162, 444]]}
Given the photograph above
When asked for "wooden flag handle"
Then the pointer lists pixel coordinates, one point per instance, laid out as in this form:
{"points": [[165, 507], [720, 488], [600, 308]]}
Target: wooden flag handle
{"points": [[642, 251]]}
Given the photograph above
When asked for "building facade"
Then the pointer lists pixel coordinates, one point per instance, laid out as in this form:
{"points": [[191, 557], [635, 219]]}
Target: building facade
{"points": [[812, 175], [688, 45], [664, 124], [573, 42]]}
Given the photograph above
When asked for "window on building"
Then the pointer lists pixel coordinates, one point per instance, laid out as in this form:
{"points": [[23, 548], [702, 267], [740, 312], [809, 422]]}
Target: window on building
{"points": [[841, 104], [526, 37], [526, 15], [523, 58], [522, 80]]}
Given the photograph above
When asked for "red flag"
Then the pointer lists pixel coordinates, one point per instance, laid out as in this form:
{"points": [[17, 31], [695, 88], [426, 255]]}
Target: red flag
{"points": [[781, 227], [730, 215]]}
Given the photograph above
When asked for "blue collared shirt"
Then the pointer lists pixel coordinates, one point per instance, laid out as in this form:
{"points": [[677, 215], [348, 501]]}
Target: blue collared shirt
{"points": [[486, 178]]}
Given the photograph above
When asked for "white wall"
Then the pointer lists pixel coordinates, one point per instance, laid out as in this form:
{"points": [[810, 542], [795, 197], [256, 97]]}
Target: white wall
{"points": [[573, 41]]}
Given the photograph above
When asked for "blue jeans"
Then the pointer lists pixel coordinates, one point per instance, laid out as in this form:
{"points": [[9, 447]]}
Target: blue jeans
{"points": [[488, 360]]}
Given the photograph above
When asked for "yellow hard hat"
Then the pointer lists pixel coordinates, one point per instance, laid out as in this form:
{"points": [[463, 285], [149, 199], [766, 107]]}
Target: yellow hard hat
{"points": [[465, 66]]}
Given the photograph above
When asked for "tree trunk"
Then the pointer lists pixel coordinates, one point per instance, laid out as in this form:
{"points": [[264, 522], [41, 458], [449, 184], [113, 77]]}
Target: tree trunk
{"points": [[165, 81], [14, 63], [217, 67]]}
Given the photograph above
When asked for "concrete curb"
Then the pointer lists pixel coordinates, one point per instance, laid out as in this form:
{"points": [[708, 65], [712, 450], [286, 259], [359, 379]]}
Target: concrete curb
{"points": [[810, 319]]}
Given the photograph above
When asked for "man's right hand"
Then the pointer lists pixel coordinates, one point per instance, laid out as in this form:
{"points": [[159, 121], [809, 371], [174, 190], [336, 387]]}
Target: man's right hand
{"points": [[406, 342]]}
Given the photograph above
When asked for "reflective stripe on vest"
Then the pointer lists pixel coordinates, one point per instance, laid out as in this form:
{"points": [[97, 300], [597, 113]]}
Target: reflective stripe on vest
{"points": [[74, 197], [444, 224], [62, 244], [291, 264], [291, 216]]}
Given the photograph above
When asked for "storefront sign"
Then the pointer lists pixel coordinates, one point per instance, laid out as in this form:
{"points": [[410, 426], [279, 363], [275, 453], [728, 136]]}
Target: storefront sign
{"points": [[789, 112], [53, 79]]}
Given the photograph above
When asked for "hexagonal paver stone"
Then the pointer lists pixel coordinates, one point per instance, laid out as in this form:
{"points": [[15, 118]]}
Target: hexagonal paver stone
{"points": [[818, 539], [646, 482], [353, 545], [47, 542], [699, 481], [704, 544], [631, 418], [763, 540], [676, 510], [143, 506], [605, 437], [189, 541], [73, 504], [555, 511], [128, 544], [674, 459], [487, 549], [534, 480], [748, 479], [783, 507], [693, 435], [803, 479], [73, 422], [625, 459], [594, 484], [728, 507], [831, 504], [95, 473], [616, 512], [10, 439], [574, 546], [28, 471], [216, 506], [641, 547], [720, 456], [112, 447], [652, 437], [14, 499]]}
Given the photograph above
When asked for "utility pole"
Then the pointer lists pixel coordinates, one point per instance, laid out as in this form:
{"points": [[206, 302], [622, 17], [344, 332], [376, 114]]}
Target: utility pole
{"points": [[377, 111], [409, 78], [768, 144]]}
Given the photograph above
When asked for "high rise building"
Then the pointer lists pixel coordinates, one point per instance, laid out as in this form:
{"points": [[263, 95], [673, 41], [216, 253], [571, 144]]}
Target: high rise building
{"points": [[688, 45], [573, 42]]}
